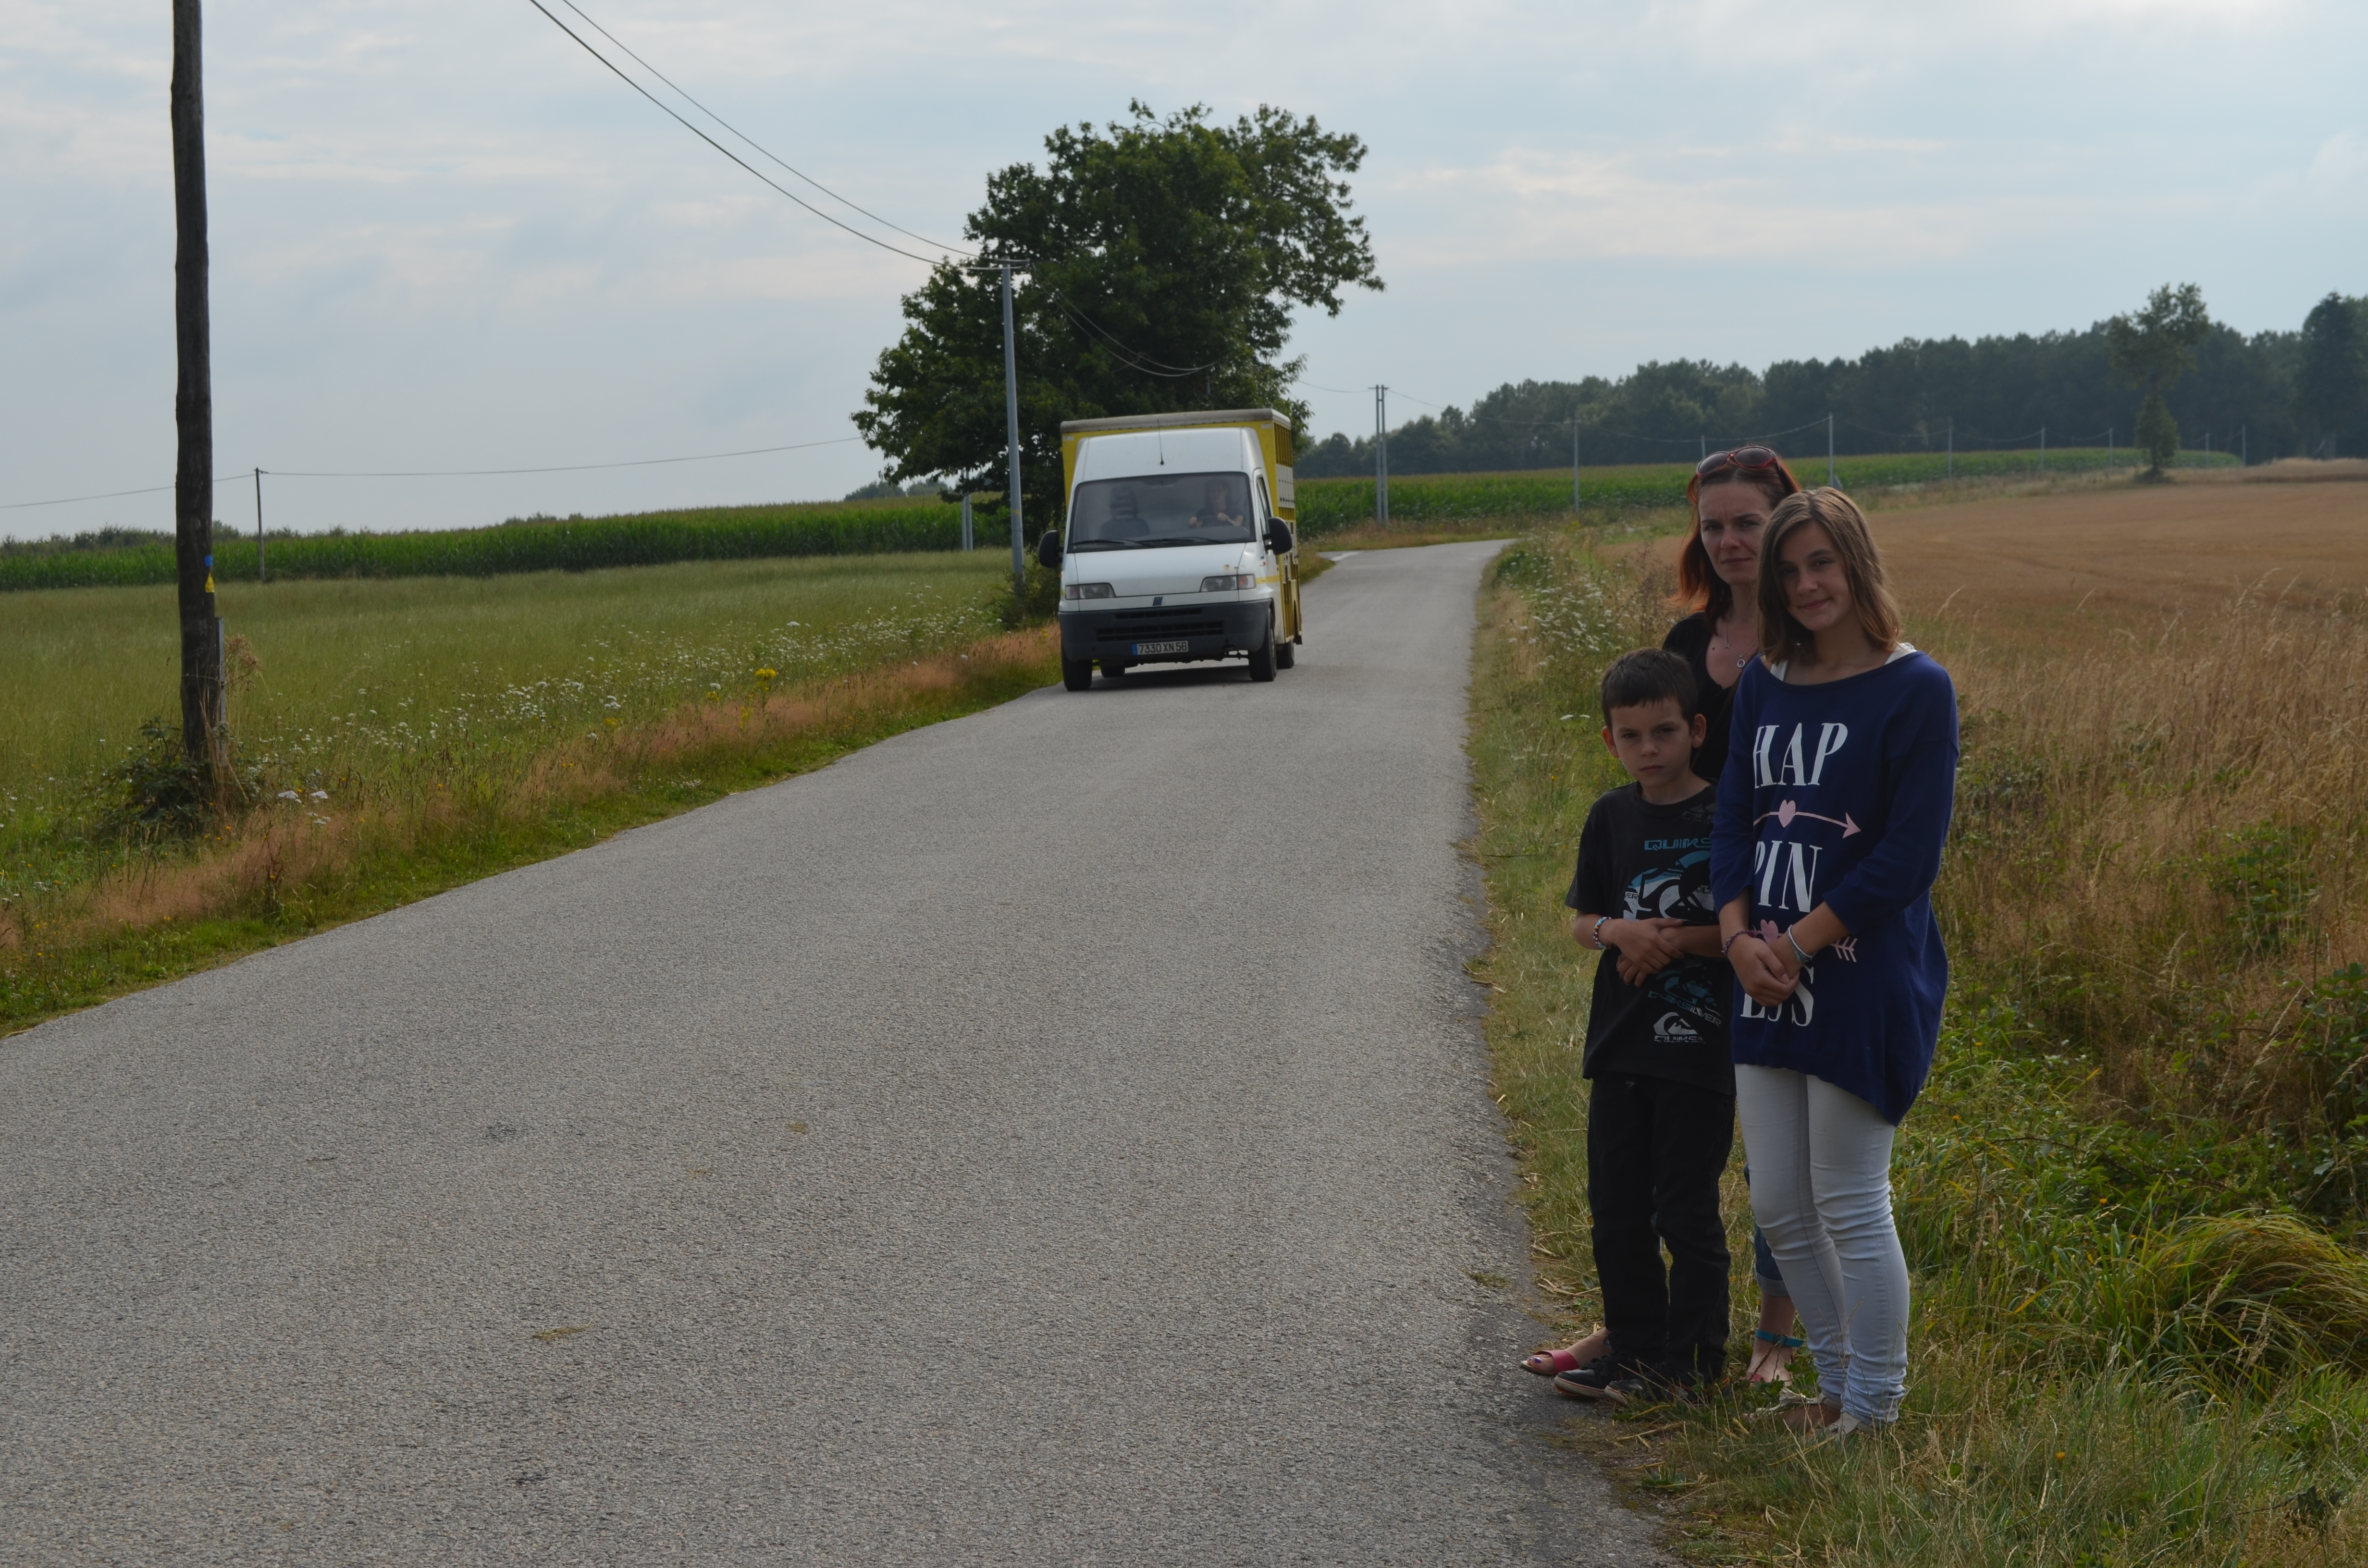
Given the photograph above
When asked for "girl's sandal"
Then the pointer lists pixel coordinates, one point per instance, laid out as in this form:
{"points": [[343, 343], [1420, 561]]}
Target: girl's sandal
{"points": [[1788, 1342], [1547, 1363]]}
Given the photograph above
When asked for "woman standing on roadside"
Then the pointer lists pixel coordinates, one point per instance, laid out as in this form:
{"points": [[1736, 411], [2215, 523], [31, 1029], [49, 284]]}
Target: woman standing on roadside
{"points": [[1829, 831], [1731, 496]]}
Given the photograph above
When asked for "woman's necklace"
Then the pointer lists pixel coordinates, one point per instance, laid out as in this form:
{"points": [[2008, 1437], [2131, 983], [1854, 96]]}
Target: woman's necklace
{"points": [[1726, 645]]}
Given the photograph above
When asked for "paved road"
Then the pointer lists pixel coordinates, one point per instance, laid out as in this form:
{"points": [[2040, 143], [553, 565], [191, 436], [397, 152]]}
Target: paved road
{"points": [[1058, 1136]]}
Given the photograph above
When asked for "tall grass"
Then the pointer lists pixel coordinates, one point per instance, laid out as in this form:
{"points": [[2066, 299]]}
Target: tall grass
{"points": [[2158, 856], [2132, 1343], [574, 544]]}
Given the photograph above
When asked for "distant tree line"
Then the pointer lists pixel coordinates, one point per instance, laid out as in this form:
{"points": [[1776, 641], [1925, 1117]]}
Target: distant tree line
{"points": [[2290, 393]]}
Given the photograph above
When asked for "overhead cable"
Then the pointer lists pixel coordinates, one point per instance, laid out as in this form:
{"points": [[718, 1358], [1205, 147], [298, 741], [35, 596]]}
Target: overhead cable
{"points": [[556, 468], [1146, 364], [703, 136], [744, 136], [240, 475], [109, 495]]}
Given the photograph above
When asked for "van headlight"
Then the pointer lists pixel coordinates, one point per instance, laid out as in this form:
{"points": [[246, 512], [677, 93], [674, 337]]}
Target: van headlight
{"points": [[1089, 591], [1228, 582]]}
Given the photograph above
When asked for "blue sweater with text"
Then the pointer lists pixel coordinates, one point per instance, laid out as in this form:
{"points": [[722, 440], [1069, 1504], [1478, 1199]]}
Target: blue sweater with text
{"points": [[1841, 794]]}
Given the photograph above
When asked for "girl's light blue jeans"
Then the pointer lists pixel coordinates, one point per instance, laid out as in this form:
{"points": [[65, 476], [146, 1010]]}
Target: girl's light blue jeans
{"points": [[1821, 1189]]}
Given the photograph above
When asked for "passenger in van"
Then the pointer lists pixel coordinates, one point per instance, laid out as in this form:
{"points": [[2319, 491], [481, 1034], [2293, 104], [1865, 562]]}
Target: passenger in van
{"points": [[1213, 512]]}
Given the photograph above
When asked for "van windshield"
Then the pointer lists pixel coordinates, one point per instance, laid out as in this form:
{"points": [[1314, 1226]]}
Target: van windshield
{"points": [[1179, 508]]}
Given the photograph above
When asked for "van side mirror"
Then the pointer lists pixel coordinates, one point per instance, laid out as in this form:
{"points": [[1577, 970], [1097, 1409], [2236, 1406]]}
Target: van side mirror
{"points": [[1048, 549], [1277, 536]]}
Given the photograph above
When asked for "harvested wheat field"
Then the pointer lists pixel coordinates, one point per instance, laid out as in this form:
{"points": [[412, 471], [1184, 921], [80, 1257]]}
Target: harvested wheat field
{"points": [[2133, 550]]}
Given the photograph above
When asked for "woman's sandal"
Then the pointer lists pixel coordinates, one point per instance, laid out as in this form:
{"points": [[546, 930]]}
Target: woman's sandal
{"points": [[1788, 1341], [1547, 1363]]}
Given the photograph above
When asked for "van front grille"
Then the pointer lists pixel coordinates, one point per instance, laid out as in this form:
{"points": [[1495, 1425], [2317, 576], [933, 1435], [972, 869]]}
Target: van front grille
{"points": [[1148, 625]]}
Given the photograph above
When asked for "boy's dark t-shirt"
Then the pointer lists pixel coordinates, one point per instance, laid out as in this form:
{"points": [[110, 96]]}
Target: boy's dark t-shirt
{"points": [[1637, 861]]}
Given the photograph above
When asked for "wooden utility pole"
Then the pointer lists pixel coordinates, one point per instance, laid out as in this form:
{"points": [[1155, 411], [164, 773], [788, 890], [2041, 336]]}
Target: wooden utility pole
{"points": [[193, 400]]}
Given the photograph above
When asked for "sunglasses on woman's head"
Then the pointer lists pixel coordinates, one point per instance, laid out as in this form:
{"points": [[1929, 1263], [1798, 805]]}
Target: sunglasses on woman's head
{"points": [[1750, 459]]}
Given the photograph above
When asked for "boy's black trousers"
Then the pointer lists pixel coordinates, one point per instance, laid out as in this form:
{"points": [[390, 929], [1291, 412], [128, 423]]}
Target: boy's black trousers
{"points": [[1655, 1148]]}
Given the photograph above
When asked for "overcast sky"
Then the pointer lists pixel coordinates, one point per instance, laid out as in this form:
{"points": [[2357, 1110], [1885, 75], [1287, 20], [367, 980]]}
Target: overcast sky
{"points": [[444, 237]]}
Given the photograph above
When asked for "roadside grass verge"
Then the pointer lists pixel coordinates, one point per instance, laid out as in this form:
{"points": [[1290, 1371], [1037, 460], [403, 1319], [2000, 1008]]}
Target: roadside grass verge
{"points": [[2141, 1332], [399, 739]]}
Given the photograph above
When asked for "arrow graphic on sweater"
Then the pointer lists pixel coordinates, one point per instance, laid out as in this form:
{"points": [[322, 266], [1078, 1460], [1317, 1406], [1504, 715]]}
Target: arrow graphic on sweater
{"points": [[1789, 809]]}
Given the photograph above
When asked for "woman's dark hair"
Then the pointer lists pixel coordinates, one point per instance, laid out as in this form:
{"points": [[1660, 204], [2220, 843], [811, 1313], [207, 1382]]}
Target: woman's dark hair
{"points": [[1700, 587], [1648, 675], [1780, 636]]}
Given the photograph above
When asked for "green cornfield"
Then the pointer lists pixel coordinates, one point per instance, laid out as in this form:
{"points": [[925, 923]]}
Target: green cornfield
{"points": [[1327, 505], [576, 544]]}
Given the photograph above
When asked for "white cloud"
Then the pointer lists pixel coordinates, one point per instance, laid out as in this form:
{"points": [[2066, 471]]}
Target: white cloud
{"points": [[439, 226]]}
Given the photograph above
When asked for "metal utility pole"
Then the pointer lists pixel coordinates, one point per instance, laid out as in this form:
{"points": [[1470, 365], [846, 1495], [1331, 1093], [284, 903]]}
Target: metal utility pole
{"points": [[970, 541], [2043, 448], [1381, 456], [193, 398], [258, 526], [1829, 449], [1952, 448], [1011, 434]]}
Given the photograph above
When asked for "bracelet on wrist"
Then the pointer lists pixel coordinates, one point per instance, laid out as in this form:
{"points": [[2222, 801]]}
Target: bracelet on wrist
{"points": [[1798, 956], [1732, 940], [1596, 934]]}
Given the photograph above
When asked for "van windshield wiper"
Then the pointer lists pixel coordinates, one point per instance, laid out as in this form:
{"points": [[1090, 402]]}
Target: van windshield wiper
{"points": [[1102, 544], [1186, 539]]}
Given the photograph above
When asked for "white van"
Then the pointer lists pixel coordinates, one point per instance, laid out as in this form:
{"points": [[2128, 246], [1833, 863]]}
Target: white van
{"points": [[1177, 545]]}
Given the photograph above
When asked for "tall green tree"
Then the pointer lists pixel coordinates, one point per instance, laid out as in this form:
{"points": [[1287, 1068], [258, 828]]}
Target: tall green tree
{"points": [[2153, 349], [2331, 384], [1163, 259]]}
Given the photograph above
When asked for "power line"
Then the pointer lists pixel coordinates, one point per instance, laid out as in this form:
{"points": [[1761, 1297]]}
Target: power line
{"points": [[1130, 355], [703, 136], [108, 496], [556, 468], [744, 136], [443, 472], [1135, 359]]}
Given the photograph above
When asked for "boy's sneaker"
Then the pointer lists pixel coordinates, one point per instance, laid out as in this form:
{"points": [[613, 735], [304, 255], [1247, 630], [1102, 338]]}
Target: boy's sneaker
{"points": [[1614, 1379]]}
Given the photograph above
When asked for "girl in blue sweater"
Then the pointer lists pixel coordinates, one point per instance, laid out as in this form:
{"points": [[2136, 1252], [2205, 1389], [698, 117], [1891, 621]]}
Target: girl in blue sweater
{"points": [[1832, 808]]}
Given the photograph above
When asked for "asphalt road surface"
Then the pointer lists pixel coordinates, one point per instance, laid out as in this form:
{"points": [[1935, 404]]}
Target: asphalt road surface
{"points": [[1059, 1136]]}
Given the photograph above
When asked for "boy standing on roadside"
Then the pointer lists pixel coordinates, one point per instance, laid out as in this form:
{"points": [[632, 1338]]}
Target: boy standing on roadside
{"points": [[1661, 1115]]}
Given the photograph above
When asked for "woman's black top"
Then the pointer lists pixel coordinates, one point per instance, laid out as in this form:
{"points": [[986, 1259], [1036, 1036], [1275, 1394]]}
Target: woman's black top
{"points": [[1690, 639]]}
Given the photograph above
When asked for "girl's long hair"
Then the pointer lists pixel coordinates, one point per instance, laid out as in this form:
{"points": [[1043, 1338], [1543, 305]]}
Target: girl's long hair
{"points": [[1782, 637], [1700, 587]]}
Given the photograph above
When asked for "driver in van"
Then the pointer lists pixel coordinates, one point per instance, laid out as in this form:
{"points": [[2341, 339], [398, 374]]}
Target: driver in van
{"points": [[1213, 512]]}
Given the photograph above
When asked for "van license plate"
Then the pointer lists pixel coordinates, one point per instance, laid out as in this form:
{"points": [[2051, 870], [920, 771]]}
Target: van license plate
{"points": [[1145, 648]]}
